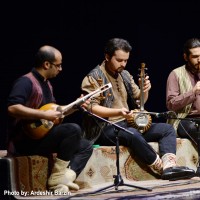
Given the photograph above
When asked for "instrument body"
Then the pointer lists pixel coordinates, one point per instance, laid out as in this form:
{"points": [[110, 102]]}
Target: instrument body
{"points": [[37, 129], [140, 120]]}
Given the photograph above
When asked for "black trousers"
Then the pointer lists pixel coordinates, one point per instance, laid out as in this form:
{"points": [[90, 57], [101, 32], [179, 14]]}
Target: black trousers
{"points": [[162, 133], [65, 140], [188, 129]]}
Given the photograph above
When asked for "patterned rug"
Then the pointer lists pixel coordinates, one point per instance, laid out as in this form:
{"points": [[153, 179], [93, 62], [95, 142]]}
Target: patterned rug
{"points": [[161, 189]]}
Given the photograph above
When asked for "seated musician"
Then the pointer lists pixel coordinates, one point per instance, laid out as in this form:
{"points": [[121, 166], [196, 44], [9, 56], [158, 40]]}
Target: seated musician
{"points": [[183, 92], [29, 135], [118, 107]]}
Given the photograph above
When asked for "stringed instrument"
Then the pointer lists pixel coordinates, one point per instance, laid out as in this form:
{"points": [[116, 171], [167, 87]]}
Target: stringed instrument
{"points": [[140, 119], [39, 128]]}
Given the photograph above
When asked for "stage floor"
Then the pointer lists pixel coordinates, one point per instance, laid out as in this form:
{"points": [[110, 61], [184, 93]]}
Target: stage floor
{"points": [[161, 189]]}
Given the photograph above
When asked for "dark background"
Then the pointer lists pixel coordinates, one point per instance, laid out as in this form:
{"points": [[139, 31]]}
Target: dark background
{"points": [[156, 30]]}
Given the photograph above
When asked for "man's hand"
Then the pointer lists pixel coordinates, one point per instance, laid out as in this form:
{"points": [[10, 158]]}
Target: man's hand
{"points": [[146, 84], [196, 88], [85, 104], [126, 113], [52, 115]]}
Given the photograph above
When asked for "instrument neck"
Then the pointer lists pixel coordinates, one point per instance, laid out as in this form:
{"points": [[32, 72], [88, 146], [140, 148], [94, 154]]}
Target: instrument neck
{"points": [[142, 95]]}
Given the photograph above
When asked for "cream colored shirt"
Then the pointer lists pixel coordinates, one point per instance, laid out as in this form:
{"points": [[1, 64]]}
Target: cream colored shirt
{"points": [[89, 84]]}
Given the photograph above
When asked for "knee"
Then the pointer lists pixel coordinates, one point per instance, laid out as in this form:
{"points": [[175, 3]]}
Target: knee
{"points": [[76, 127], [135, 134], [75, 130]]}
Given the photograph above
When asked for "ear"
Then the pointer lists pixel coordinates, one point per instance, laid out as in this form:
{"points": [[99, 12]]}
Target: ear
{"points": [[107, 57], [46, 65], [185, 57]]}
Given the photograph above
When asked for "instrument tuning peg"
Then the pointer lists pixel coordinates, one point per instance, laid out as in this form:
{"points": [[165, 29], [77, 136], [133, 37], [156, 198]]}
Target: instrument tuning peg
{"points": [[100, 81]]}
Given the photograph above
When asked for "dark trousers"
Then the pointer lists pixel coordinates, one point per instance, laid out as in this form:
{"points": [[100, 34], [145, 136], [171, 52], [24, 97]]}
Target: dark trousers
{"points": [[187, 129], [65, 140], [162, 133]]}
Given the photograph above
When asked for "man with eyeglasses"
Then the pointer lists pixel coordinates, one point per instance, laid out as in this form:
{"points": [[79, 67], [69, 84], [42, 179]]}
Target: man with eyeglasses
{"points": [[36, 131], [57, 65]]}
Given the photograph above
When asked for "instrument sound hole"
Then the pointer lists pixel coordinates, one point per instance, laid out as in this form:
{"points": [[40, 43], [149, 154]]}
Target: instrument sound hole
{"points": [[141, 120]]}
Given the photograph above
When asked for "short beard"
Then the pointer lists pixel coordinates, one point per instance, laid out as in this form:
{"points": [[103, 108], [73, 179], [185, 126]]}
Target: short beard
{"points": [[192, 68], [119, 70]]}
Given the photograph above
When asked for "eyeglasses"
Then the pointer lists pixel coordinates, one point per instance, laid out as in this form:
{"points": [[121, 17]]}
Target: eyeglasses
{"points": [[56, 65]]}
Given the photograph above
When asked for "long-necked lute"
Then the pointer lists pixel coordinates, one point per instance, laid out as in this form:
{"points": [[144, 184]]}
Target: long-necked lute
{"points": [[39, 128], [140, 119]]}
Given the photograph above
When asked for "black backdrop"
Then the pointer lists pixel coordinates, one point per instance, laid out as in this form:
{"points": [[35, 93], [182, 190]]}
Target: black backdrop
{"points": [[79, 29]]}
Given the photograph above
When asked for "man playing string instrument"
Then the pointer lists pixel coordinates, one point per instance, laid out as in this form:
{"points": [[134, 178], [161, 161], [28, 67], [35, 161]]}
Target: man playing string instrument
{"points": [[29, 93], [183, 91], [117, 106]]}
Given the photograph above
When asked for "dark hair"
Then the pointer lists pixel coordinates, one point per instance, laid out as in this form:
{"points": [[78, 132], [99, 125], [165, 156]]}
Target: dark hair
{"points": [[117, 44], [45, 53], [190, 44]]}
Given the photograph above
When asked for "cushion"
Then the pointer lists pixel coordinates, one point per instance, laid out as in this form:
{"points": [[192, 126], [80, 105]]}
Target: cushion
{"points": [[31, 173], [101, 166]]}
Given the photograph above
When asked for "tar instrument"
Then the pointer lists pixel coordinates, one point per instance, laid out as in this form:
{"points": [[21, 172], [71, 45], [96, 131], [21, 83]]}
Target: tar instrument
{"points": [[141, 120], [39, 128]]}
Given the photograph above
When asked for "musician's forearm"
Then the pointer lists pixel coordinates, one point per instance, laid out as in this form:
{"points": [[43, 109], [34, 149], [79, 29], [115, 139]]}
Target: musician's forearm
{"points": [[22, 112], [105, 112]]}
